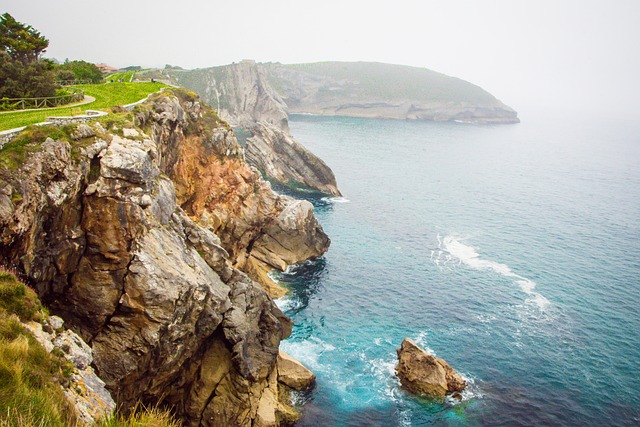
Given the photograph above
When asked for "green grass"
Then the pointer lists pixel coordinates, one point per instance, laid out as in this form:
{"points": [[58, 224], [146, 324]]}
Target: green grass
{"points": [[15, 152], [125, 75], [148, 417], [30, 377], [372, 81], [107, 95]]}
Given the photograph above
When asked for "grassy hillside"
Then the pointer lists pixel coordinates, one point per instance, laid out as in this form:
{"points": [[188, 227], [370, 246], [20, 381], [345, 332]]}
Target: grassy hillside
{"points": [[378, 81], [107, 95]]}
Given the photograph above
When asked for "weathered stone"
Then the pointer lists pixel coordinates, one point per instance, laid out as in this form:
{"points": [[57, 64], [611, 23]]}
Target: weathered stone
{"points": [[89, 397], [293, 373], [83, 131], [85, 391], [74, 349], [137, 245], [274, 152], [421, 373]]}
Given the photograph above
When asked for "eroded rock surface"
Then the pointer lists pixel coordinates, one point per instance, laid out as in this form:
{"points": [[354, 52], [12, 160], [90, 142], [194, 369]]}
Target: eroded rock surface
{"points": [[281, 158], [85, 391], [244, 97], [139, 243], [421, 373]]}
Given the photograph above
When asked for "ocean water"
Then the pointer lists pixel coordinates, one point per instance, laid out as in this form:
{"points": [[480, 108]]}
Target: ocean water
{"points": [[513, 252]]}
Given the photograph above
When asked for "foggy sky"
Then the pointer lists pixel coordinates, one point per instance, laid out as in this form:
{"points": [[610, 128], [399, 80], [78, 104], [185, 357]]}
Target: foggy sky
{"points": [[582, 55]]}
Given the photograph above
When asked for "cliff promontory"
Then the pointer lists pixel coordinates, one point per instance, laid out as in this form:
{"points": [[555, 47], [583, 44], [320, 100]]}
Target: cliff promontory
{"points": [[245, 99], [144, 231]]}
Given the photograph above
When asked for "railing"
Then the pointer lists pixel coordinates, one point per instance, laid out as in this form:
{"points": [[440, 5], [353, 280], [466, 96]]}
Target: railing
{"points": [[75, 95]]}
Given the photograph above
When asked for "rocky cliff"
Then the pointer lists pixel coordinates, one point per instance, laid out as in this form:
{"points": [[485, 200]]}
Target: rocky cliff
{"points": [[352, 89], [245, 99], [140, 232]]}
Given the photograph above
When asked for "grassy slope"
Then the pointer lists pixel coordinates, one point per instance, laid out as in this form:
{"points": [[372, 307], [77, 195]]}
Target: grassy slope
{"points": [[107, 96], [378, 81], [30, 394]]}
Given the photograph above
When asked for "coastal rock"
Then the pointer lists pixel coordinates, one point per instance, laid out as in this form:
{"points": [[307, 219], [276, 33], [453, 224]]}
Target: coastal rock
{"points": [[244, 97], [139, 245], [293, 373], [226, 196], [276, 154], [85, 392], [421, 373]]}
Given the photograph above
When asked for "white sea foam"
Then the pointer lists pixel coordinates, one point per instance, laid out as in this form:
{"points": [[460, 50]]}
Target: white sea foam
{"points": [[287, 303], [467, 255], [308, 352], [335, 199]]}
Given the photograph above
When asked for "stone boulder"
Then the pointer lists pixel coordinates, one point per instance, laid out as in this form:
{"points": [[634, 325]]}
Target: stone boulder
{"points": [[421, 373], [293, 373]]}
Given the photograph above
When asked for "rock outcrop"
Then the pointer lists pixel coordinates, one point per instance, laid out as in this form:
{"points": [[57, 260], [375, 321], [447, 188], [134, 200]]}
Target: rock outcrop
{"points": [[421, 373], [294, 374], [275, 153], [246, 100], [351, 89], [140, 243], [86, 392]]}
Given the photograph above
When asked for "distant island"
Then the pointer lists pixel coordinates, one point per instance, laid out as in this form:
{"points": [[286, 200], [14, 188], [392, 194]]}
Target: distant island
{"points": [[354, 89]]}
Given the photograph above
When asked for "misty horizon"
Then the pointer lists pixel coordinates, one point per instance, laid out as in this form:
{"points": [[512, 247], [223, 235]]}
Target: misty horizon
{"points": [[569, 55]]}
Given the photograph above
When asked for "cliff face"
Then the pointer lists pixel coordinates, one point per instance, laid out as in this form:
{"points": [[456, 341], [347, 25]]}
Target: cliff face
{"points": [[275, 152], [137, 237], [245, 98]]}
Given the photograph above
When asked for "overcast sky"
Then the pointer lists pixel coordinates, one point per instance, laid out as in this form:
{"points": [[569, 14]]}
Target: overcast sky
{"points": [[581, 54]]}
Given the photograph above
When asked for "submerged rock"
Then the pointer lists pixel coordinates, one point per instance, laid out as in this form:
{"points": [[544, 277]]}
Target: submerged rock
{"points": [[421, 373]]}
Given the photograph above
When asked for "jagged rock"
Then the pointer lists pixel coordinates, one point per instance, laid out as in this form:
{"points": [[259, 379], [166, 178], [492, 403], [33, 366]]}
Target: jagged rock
{"points": [[226, 196], [86, 392], [139, 246], [421, 373], [293, 373], [275, 153], [89, 397], [74, 349], [244, 96], [83, 132]]}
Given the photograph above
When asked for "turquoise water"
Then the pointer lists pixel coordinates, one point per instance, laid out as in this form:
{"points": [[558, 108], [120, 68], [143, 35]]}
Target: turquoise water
{"points": [[513, 252]]}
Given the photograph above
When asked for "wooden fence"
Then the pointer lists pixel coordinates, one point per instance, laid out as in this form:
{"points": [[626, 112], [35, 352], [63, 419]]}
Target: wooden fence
{"points": [[75, 95]]}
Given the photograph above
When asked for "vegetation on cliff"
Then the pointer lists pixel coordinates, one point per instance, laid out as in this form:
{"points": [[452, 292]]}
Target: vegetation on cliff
{"points": [[30, 377], [139, 230], [22, 72]]}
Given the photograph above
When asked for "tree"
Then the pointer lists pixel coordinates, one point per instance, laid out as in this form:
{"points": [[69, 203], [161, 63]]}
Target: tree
{"points": [[22, 72], [22, 42], [82, 70]]}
